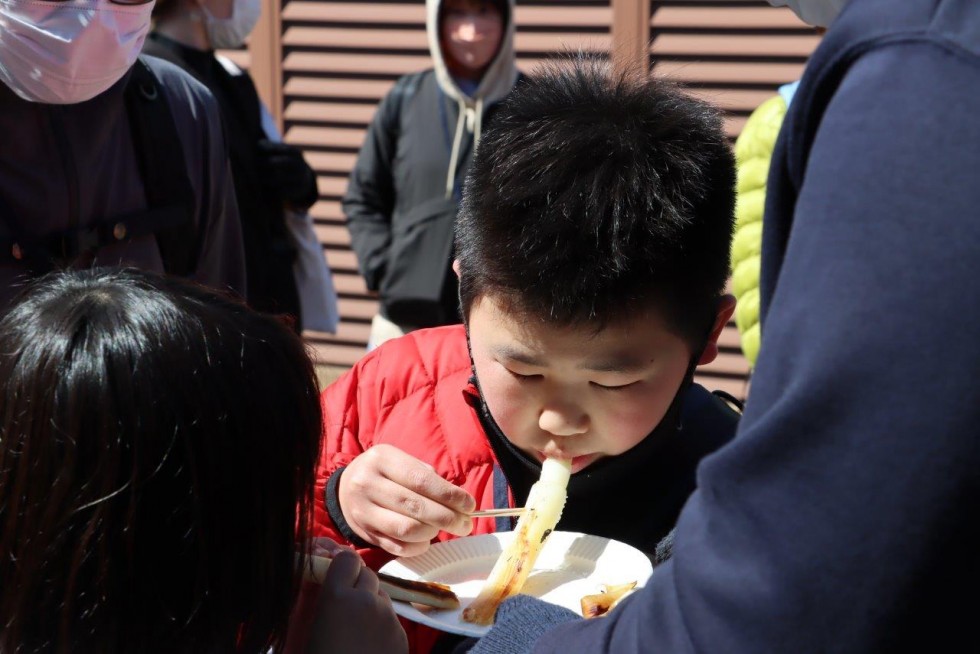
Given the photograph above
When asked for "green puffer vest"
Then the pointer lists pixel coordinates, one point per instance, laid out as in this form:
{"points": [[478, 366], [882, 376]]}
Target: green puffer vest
{"points": [[752, 152]]}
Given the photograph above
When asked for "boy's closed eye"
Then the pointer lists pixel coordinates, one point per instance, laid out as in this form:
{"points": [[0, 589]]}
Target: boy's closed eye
{"points": [[613, 387], [525, 376], [529, 377]]}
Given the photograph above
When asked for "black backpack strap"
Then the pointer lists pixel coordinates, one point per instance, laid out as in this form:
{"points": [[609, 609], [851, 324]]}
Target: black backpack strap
{"points": [[169, 194], [400, 95]]}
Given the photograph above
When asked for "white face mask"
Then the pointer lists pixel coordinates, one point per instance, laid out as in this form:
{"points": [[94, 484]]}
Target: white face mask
{"points": [[231, 32], [71, 51], [820, 13]]}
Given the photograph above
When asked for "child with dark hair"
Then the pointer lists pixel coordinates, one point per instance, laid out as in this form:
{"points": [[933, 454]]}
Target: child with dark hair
{"points": [[592, 252], [157, 452]]}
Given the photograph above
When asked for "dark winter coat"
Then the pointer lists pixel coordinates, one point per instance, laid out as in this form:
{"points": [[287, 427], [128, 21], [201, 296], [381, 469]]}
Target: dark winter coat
{"points": [[65, 167], [844, 515]]}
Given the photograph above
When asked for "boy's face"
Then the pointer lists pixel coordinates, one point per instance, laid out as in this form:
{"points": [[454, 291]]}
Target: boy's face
{"points": [[570, 393]]}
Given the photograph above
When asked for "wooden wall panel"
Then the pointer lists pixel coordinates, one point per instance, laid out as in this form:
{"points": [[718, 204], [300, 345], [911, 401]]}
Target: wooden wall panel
{"points": [[734, 54]]}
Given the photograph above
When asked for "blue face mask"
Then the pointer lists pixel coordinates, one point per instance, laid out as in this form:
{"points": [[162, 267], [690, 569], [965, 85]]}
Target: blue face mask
{"points": [[68, 52], [820, 13]]}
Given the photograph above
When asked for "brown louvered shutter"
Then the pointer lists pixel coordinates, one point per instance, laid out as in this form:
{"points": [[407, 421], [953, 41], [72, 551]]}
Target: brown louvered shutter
{"points": [[339, 59], [734, 54]]}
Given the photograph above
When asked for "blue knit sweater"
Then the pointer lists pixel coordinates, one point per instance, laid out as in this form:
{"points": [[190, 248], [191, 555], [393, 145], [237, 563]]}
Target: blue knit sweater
{"points": [[845, 515]]}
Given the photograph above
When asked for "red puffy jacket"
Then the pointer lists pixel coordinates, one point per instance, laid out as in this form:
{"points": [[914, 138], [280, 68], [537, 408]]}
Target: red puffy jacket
{"points": [[409, 393]]}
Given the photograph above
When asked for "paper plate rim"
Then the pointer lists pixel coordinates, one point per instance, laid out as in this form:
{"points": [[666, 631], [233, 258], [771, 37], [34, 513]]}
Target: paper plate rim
{"points": [[481, 551]]}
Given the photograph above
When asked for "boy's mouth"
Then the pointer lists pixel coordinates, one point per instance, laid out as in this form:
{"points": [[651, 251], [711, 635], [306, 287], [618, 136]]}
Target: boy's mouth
{"points": [[578, 462]]}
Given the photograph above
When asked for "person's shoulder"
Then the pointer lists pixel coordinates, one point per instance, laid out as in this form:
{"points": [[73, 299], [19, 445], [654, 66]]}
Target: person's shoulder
{"points": [[156, 47], [420, 377], [709, 418], [179, 86], [922, 38], [860, 30], [419, 360], [414, 78], [437, 352], [194, 109], [955, 21], [408, 85], [958, 22], [401, 92]]}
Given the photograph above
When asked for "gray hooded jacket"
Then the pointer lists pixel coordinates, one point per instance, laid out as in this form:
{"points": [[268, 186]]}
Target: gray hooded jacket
{"points": [[69, 166], [403, 193]]}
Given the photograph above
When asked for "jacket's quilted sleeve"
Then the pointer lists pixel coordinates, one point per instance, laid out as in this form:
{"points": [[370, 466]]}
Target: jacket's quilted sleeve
{"points": [[350, 412], [752, 152]]}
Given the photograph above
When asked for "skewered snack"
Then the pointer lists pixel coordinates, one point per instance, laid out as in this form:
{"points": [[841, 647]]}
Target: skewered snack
{"points": [[545, 502], [428, 593], [604, 602]]}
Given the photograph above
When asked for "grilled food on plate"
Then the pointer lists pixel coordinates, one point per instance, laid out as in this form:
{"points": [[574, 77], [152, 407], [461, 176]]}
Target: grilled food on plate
{"points": [[604, 601], [428, 593]]}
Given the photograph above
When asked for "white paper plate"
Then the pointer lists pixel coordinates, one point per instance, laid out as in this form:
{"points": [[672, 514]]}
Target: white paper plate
{"points": [[570, 565]]}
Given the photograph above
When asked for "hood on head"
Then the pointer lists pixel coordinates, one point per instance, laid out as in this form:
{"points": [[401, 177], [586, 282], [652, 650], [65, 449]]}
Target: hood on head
{"points": [[501, 75]]}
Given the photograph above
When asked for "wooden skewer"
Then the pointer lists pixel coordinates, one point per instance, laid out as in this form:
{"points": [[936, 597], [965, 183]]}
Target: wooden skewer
{"points": [[493, 513]]}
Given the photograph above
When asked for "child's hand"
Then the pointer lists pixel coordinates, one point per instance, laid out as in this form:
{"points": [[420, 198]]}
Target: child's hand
{"points": [[393, 500], [353, 615]]}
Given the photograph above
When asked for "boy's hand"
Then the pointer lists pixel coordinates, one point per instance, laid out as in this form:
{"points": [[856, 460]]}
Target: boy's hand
{"points": [[398, 503], [353, 614]]}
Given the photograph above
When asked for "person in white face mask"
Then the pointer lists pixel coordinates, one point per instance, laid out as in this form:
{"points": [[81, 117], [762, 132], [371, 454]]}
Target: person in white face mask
{"points": [[273, 183], [84, 181], [842, 517], [403, 193]]}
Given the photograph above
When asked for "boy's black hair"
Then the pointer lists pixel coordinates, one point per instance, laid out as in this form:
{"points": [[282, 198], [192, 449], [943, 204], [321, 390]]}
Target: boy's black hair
{"points": [[594, 196], [157, 452]]}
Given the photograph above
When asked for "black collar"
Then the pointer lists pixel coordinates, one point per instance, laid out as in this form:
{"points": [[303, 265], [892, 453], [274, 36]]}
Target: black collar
{"points": [[200, 63]]}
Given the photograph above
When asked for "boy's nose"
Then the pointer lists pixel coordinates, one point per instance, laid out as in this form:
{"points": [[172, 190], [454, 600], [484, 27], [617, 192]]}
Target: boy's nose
{"points": [[563, 421]]}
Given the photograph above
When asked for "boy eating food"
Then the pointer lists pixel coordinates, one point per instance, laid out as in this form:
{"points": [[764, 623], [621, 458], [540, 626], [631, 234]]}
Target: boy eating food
{"points": [[592, 253]]}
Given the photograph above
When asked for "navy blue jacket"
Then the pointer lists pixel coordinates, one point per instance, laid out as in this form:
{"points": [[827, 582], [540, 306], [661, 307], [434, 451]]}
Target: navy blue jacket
{"points": [[845, 514]]}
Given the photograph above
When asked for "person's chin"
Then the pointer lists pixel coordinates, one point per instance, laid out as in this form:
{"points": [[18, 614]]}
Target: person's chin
{"points": [[580, 463], [476, 60]]}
